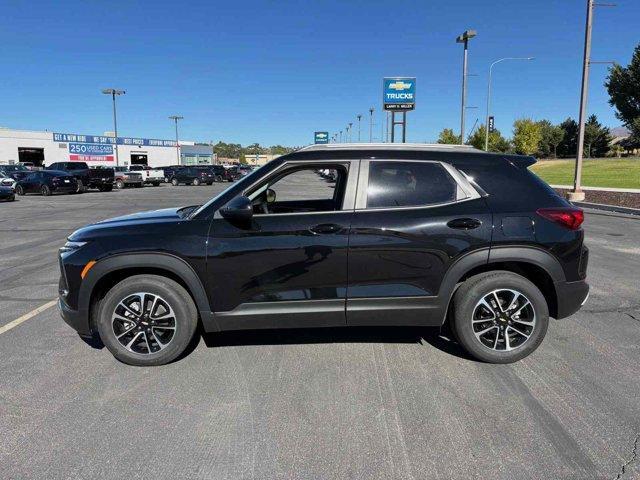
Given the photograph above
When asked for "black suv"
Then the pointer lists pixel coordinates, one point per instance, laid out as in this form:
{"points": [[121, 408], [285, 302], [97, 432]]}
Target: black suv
{"points": [[412, 235], [191, 176]]}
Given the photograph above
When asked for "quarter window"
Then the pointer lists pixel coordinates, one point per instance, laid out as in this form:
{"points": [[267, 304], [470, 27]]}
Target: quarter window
{"points": [[408, 184]]}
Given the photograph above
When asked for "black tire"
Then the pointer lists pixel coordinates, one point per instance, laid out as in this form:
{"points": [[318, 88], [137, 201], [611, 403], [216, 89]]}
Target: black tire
{"points": [[179, 300], [466, 302], [119, 184], [196, 182], [218, 178], [19, 190], [174, 182], [80, 188], [166, 179], [45, 190]]}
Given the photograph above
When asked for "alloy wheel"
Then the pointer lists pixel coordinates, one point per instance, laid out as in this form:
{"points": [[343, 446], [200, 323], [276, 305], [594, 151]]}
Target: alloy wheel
{"points": [[144, 323], [503, 320]]}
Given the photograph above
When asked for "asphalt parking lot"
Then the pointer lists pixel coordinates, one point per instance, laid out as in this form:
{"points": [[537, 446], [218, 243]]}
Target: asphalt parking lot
{"points": [[335, 403]]}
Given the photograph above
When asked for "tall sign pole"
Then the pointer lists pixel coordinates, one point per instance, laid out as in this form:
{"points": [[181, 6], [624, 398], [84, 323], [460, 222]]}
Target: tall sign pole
{"points": [[114, 92], [371, 125], [175, 118], [399, 96]]}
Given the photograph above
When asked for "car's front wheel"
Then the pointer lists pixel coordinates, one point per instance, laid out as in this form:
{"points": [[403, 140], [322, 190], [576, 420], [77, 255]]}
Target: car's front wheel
{"points": [[499, 317], [174, 182], [147, 320], [19, 190], [196, 182], [45, 190]]}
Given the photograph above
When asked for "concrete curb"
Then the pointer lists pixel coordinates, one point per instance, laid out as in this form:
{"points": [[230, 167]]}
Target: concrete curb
{"points": [[608, 208]]}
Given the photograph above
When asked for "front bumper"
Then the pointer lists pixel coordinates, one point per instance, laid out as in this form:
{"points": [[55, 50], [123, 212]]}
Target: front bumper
{"points": [[77, 320], [571, 296]]}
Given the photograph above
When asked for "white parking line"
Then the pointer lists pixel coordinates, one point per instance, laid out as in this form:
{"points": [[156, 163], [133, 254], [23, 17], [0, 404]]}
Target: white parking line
{"points": [[27, 316]]}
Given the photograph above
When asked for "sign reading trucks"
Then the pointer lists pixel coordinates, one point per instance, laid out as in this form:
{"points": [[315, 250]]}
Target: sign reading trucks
{"points": [[399, 93]]}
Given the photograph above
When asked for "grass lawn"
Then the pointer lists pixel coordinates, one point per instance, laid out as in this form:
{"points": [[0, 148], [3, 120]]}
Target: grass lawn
{"points": [[599, 172]]}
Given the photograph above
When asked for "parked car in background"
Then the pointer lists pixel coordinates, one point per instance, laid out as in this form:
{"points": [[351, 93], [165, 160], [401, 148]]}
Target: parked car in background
{"points": [[100, 178], [17, 172], [7, 181], [216, 171], [47, 182], [29, 165], [150, 176], [187, 176], [161, 170], [123, 177], [7, 194], [231, 173], [169, 171], [420, 235]]}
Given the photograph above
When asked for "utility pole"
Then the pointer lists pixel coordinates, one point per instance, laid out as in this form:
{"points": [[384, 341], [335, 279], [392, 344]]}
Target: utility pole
{"points": [[175, 118], [464, 39], [359, 117], [577, 195], [371, 125], [340, 136], [113, 92], [349, 128]]}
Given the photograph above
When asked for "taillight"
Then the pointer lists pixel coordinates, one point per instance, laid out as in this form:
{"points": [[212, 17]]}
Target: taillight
{"points": [[570, 218]]}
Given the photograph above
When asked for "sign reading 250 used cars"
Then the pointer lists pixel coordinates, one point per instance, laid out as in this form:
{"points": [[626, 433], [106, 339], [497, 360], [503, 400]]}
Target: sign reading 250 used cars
{"points": [[90, 152], [399, 93]]}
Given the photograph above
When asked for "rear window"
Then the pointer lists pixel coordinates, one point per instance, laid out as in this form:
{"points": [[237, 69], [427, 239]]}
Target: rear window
{"points": [[409, 184]]}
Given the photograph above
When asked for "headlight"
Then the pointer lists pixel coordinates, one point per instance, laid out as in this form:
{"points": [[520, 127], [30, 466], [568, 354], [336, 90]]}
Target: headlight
{"points": [[71, 246]]}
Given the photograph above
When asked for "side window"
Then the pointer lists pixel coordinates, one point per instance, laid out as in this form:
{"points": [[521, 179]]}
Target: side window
{"points": [[409, 184], [306, 184]]}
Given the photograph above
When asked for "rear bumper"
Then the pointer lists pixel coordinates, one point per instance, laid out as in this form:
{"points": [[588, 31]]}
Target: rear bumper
{"points": [[77, 320], [571, 296]]}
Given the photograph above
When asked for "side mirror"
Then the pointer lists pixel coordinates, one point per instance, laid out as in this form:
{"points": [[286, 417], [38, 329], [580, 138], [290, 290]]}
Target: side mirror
{"points": [[270, 196], [239, 209]]}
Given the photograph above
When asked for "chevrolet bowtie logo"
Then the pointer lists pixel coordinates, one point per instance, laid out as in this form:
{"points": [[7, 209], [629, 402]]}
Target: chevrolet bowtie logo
{"points": [[399, 85]]}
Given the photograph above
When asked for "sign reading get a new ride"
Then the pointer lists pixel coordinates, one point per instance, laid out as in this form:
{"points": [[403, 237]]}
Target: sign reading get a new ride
{"points": [[399, 93]]}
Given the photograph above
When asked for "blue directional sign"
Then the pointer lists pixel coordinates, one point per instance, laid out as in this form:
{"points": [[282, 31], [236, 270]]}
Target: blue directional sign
{"points": [[321, 137], [399, 93]]}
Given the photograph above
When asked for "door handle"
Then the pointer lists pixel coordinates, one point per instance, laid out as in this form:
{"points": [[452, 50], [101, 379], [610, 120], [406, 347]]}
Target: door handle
{"points": [[464, 223], [326, 228]]}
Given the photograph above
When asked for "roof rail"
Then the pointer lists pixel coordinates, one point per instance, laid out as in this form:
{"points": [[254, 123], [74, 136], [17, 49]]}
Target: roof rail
{"points": [[389, 146]]}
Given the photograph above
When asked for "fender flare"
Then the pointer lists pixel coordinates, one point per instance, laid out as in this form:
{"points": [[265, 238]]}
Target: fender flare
{"points": [[164, 261], [477, 258]]}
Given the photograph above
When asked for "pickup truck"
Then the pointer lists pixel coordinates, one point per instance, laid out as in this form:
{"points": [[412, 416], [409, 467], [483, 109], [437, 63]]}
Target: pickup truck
{"points": [[149, 175], [125, 178], [100, 178]]}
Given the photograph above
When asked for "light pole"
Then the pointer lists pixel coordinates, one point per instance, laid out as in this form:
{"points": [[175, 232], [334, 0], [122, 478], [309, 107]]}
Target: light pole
{"points": [[486, 123], [340, 136], [577, 194], [175, 118], [359, 117], [113, 92], [464, 39], [371, 125]]}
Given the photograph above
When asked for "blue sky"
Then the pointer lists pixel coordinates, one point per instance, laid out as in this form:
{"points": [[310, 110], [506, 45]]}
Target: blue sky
{"points": [[273, 72]]}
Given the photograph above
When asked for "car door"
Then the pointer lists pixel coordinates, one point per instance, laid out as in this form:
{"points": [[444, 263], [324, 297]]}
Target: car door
{"points": [[31, 182], [287, 267], [413, 221]]}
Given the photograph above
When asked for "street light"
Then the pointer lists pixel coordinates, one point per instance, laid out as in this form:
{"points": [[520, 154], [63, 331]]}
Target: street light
{"points": [[371, 125], [359, 117], [175, 118], [340, 136], [349, 131], [113, 92], [464, 39], [486, 124]]}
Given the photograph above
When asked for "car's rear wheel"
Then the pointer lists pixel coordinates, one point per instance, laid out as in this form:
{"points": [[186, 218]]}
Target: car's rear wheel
{"points": [[196, 182], [80, 187], [147, 320], [119, 184], [45, 190], [166, 179], [174, 182], [19, 190], [500, 317]]}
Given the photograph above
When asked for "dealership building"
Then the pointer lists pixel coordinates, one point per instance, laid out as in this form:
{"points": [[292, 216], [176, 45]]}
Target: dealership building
{"points": [[45, 148]]}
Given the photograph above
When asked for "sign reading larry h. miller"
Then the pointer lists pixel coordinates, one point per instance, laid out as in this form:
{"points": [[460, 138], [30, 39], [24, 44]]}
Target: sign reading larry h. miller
{"points": [[399, 93]]}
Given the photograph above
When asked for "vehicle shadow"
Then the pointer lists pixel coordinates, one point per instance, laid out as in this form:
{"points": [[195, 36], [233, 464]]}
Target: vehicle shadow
{"points": [[417, 335]]}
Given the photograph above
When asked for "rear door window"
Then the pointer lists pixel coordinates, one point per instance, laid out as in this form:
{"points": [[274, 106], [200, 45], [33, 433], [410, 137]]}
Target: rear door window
{"points": [[409, 184]]}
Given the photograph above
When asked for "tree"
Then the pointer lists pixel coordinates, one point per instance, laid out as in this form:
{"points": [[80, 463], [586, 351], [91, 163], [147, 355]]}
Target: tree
{"points": [[447, 136], [623, 85], [526, 136], [552, 135], [280, 150], [569, 143], [497, 143], [227, 150], [596, 138]]}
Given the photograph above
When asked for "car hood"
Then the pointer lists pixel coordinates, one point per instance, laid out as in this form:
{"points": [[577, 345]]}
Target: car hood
{"points": [[149, 217]]}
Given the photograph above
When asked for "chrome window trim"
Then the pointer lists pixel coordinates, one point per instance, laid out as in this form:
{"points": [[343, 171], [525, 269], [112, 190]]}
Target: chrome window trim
{"points": [[348, 202], [464, 191]]}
